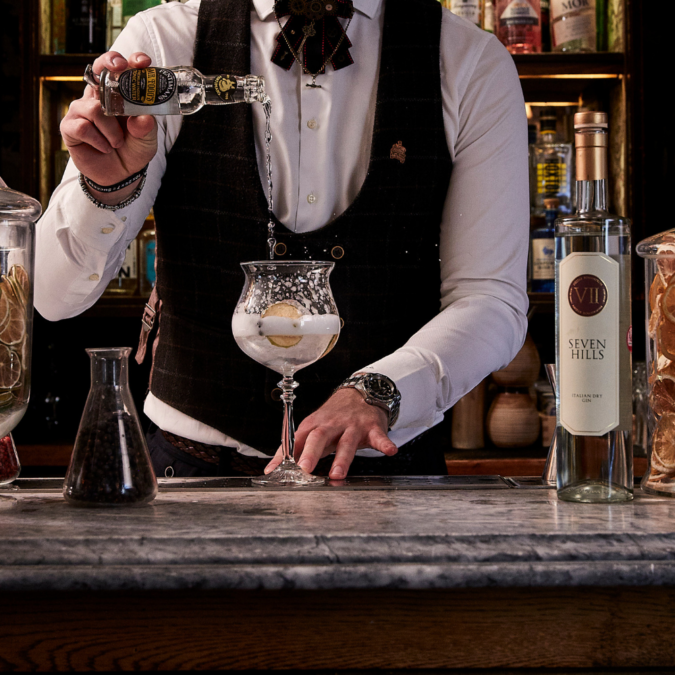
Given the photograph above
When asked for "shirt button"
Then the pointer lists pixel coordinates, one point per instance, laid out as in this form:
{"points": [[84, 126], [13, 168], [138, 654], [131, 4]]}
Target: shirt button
{"points": [[94, 277], [107, 230], [312, 124], [123, 219], [311, 198]]}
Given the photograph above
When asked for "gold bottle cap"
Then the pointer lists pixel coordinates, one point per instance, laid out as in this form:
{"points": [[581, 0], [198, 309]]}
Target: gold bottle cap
{"points": [[588, 119]]}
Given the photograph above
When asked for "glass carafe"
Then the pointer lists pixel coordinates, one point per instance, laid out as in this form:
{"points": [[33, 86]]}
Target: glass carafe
{"points": [[18, 214], [110, 465], [659, 254]]}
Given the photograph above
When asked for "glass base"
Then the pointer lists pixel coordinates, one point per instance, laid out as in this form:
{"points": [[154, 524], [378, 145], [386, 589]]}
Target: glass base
{"points": [[288, 473], [595, 493]]}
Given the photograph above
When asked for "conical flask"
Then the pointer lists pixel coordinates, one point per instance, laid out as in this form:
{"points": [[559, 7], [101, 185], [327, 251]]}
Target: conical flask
{"points": [[110, 465]]}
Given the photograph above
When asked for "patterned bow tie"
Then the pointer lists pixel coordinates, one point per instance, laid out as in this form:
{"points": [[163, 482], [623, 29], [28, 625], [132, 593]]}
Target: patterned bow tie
{"points": [[313, 34]]}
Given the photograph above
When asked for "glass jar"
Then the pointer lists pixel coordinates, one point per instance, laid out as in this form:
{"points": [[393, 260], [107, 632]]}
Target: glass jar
{"points": [[110, 464], [659, 254], [18, 214]]}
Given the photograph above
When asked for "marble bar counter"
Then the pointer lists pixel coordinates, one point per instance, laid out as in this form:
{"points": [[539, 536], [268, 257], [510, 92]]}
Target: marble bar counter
{"points": [[497, 577], [360, 539]]}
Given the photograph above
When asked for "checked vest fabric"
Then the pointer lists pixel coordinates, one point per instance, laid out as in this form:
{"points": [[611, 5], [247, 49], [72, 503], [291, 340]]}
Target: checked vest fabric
{"points": [[211, 214]]}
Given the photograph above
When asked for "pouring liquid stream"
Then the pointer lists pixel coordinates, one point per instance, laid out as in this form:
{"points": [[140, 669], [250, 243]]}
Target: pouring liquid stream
{"points": [[271, 241]]}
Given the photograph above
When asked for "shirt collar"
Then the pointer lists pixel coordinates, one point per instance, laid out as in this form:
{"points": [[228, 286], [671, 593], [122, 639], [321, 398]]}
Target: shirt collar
{"points": [[265, 8]]}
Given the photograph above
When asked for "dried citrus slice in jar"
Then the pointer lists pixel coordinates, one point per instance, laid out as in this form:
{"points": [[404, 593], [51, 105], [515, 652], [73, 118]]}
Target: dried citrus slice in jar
{"points": [[668, 301], [666, 339], [10, 367], [287, 311], [15, 327], [663, 445], [20, 276], [4, 308], [665, 261], [655, 290], [662, 399]]}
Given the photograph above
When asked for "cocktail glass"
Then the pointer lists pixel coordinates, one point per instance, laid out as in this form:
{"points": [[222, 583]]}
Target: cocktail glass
{"points": [[286, 319]]}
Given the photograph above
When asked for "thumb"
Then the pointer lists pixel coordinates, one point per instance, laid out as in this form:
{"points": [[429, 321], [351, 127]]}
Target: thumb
{"points": [[378, 440], [142, 127]]}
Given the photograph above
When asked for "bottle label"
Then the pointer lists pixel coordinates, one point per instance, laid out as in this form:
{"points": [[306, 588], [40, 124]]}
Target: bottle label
{"points": [[561, 7], [489, 17], [147, 86], [543, 259], [588, 335], [574, 28], [467, 9], [129, 269], [224, 86], [519, 13], [551, 178]]}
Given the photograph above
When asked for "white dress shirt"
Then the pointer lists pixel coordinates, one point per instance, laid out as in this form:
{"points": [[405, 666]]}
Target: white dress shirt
{"points": [[320, 156]]}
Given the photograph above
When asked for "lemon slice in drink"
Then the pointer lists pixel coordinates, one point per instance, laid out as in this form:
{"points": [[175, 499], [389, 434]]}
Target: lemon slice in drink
{"points": [[287, 311]]}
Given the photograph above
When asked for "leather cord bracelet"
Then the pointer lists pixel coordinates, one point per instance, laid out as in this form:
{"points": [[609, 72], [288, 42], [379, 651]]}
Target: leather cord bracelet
{"points": [[112, 207], [118, 186]]}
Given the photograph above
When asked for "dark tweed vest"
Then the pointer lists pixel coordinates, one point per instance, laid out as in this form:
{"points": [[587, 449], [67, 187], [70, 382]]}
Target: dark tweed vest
{"points": [[211, 215]]}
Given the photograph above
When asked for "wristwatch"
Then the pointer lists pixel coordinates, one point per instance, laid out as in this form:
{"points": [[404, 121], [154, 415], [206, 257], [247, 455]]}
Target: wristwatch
{"points": [[377, 390]]}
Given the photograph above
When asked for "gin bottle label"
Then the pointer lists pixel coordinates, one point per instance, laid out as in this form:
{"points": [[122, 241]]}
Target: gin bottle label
{"points": [[588, 305], [519, 13], [147, 86], [467, 9]]}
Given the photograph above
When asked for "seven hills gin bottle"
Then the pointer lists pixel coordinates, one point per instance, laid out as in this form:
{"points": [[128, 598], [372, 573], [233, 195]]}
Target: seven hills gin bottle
{"points": [[518, 25], [593, 333], [180, 90]]}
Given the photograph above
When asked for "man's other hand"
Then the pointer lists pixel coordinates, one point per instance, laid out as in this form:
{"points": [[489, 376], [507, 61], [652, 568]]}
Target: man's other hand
{"points": [[342, 425]]}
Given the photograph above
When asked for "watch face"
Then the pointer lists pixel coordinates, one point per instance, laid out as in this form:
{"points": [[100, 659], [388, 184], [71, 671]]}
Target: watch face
{"points": [[379, 388]]}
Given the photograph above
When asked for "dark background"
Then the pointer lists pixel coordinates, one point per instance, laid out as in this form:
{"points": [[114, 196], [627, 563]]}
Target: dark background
{"points": [[60, 366]]}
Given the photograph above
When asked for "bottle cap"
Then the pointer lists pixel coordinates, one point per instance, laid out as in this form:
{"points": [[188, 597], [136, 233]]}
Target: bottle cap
{"points": [[548, 120], [589, 119]]}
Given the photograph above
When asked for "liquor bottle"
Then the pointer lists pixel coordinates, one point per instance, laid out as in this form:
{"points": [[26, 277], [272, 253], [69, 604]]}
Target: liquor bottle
{"points": [[488, 15], [545, 25], [593, 333], [601, 25], [179, 90], [58, 45], [542, 252], [518, 24], [126, 281], [573, 25], [114, 23], [85, 26], [552, 163], [467, 9], [147, 248]]}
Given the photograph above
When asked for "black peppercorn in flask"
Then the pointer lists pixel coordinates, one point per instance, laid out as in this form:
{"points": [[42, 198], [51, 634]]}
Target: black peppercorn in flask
{"points": [[110, 464]]}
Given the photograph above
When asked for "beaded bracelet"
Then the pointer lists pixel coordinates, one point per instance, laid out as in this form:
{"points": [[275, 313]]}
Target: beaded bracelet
{"points": [[112, 207], [118, 186]]}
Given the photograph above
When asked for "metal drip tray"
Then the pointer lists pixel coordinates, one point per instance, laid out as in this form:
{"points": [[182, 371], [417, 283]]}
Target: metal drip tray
{"points": [[350, 483]]}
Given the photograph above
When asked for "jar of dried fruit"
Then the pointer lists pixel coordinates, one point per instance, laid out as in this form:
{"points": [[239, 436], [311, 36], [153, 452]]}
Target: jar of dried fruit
{"points": [[659, 254], [18, 214]]}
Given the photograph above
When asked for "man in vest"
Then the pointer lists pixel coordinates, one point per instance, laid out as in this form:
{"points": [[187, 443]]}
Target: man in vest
{"points": [[399, 151]]}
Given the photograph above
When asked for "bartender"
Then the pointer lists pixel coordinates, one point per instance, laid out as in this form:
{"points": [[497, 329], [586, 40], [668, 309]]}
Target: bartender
{"points": [[401, 154]]}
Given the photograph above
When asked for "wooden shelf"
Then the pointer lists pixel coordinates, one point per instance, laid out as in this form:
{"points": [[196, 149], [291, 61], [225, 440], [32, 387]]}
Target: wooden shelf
{"points": [[123, 306], [65, 65], [600, 64], [595, 65]]}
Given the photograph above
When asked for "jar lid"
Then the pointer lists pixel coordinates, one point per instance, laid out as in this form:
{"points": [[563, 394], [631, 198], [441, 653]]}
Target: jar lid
{"points": [[17, 206], [660, 245]]}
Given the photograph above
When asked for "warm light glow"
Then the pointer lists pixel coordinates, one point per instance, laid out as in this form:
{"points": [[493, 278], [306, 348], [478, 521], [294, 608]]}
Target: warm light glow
{"points": [[559, 104], [62, 78], [570, 76]]}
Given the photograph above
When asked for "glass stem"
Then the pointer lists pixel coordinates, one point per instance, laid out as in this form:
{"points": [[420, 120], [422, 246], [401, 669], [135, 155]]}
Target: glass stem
{"points": [[288, 386]]}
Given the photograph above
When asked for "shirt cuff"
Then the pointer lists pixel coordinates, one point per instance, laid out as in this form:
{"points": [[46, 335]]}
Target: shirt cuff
{"points": [[95, 228], [417, 377]]}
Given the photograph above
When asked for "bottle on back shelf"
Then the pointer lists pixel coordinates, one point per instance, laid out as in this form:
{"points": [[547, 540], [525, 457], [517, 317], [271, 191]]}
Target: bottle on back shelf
{"points": [[467, 9], [545, 25], [542, 251], [593, 333], [552, 164], [126, 281], [85, 26], [518, 25], [488, 15], [179, 90], [573, 26]]}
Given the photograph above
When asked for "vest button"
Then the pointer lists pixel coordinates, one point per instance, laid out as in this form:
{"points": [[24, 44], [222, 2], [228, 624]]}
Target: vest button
{"points": [[280, 248], [337, 252], [276, 394]]}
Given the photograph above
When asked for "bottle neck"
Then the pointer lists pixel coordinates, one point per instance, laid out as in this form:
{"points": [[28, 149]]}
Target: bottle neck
{"points": [[591, 195], [224, 89], [110, 366]]}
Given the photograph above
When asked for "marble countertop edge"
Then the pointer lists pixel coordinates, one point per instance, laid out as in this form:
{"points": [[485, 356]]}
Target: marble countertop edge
{"points": [[40, 578]]}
